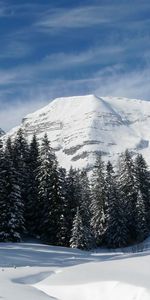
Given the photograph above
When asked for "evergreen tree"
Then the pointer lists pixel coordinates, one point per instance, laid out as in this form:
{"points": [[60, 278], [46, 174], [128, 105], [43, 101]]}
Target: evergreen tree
{"points": [[13, 221], [143, 178], [110, 181], [85, 198], [98, 205], [49, 194], [116, 226], [141, 223], [63, 222], [32, 205], [85, 205], [128, 188], [20, 159], [3, 202], [80, 236], [73, 196], [58, 217]]}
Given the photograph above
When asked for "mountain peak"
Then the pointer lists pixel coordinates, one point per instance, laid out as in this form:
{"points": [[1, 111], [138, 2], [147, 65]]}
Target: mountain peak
{"points": [[81, 126]]}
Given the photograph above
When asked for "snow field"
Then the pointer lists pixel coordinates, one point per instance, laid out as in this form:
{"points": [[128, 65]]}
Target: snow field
{"points": [[35, 271]]}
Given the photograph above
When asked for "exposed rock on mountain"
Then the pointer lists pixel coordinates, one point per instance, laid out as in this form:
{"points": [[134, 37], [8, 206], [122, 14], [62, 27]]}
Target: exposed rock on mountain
{"points": [[79, 127]]}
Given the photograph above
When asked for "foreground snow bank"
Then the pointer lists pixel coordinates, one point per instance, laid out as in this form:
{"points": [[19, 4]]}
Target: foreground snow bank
{"points": [[125, 277], [96, 291], [35, 271]]}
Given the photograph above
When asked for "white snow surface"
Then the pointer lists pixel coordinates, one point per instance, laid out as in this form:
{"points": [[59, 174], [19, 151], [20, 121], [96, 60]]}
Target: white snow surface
{"points": [[80, 126], [35, 271]]}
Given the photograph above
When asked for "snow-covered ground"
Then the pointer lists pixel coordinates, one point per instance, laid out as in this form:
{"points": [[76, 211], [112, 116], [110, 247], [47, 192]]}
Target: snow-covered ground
{"points": [[35, 271]]}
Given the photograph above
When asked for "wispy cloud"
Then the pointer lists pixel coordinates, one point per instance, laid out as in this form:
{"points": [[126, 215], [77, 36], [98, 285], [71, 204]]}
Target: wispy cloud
{"points": [[133, 84], [109, 82], [91, 15], [102, 48], [11, 114], [72, 18], [15, 49]]}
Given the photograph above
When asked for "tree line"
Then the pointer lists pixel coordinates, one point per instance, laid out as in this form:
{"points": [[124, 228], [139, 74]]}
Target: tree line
{"points": [[66, 208]]}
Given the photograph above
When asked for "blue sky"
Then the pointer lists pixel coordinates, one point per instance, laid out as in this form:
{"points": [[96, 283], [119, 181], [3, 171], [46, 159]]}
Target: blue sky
{"points": [[59, 48]]}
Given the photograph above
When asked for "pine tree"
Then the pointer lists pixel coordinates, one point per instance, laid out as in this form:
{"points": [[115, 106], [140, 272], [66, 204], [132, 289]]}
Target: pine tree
{"points": [[143, 178], [80, 236], [49, 194], [32, 205], [73, 196], [141, 223], [110, 181], [98, 205], [20, 159], [63, 221], [44, 187], [85, 205], [57, 203], [13, 221], [3, 202], [116, 234], [85, 200], [128, 189]]}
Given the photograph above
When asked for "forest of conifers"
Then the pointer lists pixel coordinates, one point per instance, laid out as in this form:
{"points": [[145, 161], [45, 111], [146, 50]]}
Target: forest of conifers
{"points": [[39, 198]]}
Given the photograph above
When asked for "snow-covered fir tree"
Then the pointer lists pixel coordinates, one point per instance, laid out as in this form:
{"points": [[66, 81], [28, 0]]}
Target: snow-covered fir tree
{"points": [[32, 205], [85, 205], [63, 222], [140, 219], [128, 189], [80, 237], [49, 194], [58, 206], [73, 196], [13, 220], [3, 203], [20, 158], [143, 178], [98, 205], [116, 234]]}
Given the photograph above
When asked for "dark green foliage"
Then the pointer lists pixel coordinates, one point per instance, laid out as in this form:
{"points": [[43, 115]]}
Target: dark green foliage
{"points": [[140, 218], [80, 237], [143, 179], [12, 220], [128, 189], [20, 159], [73, 195], [62, 235], [116, 225], [98, 205], [37, 197], [50, 194], [32, 204]]}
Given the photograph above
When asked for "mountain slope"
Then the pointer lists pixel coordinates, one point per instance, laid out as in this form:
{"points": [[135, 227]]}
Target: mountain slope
{"points": [[79, 127]]}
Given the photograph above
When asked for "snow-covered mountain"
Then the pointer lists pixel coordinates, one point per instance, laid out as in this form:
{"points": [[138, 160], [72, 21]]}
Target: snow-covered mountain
{"points": [[79, 127]]}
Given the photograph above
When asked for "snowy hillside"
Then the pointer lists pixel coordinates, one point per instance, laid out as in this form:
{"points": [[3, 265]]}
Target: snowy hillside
{"points": [[78, 127], [36, 271]]}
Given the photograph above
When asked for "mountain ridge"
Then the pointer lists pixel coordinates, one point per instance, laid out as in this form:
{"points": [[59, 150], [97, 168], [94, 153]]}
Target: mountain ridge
{"points": [[79, 127]]}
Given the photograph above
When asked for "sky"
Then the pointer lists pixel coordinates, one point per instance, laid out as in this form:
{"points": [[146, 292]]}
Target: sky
{"points": [[52, 49]]}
